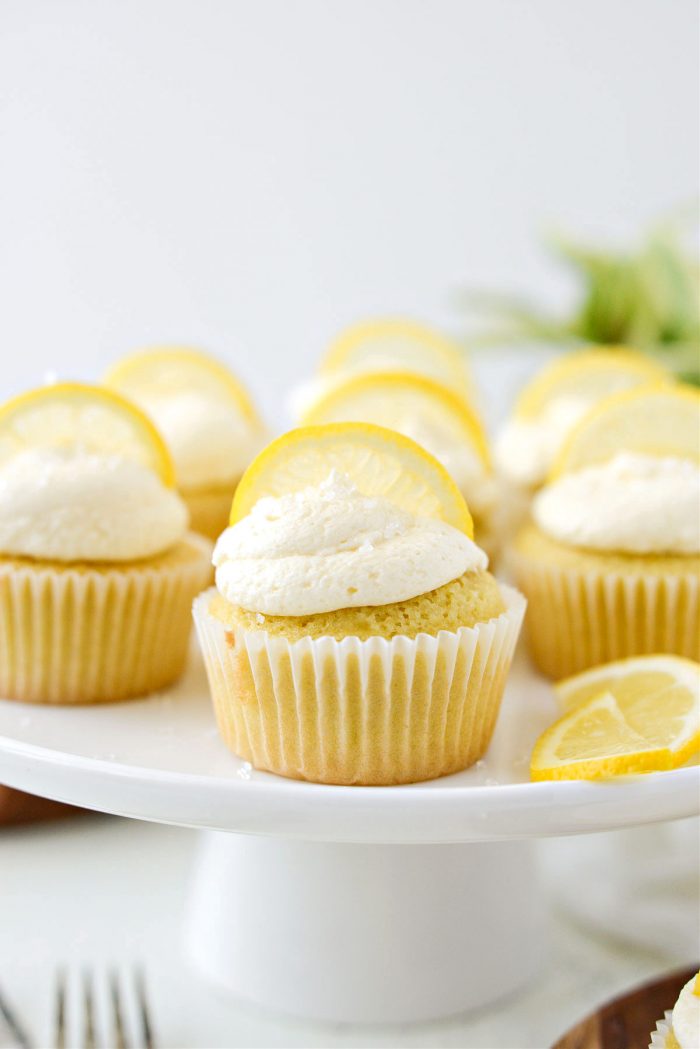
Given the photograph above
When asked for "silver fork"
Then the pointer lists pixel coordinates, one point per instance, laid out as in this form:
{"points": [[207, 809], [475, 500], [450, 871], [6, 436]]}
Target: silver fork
{"points": [[127, 998]]}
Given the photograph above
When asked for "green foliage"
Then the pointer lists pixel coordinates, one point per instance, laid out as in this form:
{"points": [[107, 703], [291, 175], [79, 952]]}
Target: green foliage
{"points": [[648, 299]]}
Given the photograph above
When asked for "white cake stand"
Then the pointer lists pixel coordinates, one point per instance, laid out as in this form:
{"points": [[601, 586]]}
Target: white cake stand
{"points": [[342, 903]]}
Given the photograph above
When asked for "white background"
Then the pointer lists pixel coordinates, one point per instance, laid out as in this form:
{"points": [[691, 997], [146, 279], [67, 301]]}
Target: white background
{"points": [[251, 175]]}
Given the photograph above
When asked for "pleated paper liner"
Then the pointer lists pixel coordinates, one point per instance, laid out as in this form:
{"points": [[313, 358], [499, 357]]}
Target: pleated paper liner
{"points": [[630, 1021], [97, 633], [359, 712], [660, 1037], [581, 619]]}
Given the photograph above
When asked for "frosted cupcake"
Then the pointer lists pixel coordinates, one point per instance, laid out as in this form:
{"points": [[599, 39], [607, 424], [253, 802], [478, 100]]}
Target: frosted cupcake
{"points": [[550, 406], [386, 344], [432, 415], [680, 1027], [354, 637], [208, 422], [97, 569], [610, 563]]}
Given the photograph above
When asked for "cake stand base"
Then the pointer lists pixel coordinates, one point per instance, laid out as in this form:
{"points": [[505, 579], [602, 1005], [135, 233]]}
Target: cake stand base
{"points": [[365, 933]]}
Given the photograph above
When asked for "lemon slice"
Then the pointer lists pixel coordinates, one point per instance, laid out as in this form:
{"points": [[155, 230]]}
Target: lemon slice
{"points": [[170, 370], [634, 715], [394, 399], [76, 415], [628, 678], [652, 420], [389, 345], [379, 462], [588, 376]]}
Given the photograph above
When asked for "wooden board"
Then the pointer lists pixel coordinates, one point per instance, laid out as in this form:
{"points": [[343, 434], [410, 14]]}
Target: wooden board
{"points": [[18, 807], [627, 1022]]}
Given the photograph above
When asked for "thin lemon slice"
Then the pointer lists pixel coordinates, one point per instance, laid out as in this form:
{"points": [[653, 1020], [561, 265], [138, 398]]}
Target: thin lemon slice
{"points": [[588, 376], [652, 420], [76, 415], [379, 462], [396, 400], [388, 345], [629, 679], [635, 715], [167, 371]]}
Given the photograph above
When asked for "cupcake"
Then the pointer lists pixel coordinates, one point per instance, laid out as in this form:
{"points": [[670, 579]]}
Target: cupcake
{"points": [[97, 569], [680, 1027], [354, 635], [386, 344], [436, 418], [550, 406], [208, 422], [610, 562]]}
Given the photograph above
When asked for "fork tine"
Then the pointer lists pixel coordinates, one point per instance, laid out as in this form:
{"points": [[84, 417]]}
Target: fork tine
{"points": [[88, 1012], [117, 1018], [142, 1003], [60, 1007]]}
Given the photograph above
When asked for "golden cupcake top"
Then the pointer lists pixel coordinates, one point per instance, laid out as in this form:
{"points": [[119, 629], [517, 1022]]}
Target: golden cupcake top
{"points": [[202, 410], [342, 516], [84, 476], [556, 399]]}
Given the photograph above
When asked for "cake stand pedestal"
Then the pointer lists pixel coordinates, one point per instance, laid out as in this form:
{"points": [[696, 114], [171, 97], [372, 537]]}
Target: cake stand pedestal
{"points": [[341, 903], [365, 932]]}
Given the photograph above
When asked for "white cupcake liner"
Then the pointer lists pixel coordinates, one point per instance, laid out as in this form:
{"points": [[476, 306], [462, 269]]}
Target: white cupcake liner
{"points": [[89, 634], [359, 712], [580, 619], [659, 1037]]}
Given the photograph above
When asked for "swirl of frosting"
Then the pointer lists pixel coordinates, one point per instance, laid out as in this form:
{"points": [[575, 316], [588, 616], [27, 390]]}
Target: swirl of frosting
{"points": [[63, 505], [329, 547], [210, 441], [635, 504], [525, 448]]}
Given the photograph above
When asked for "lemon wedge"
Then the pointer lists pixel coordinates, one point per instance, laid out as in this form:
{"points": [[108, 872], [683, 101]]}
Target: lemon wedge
{"points": [[383, 345], [652, 420], [378, 461], [392, 398], [166, 371], [635, 715], [77, 415], [588, 375]]}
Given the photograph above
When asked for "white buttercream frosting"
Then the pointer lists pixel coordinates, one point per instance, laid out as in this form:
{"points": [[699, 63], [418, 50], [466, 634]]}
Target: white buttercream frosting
{"points": [[525, 448], [636, 504], [330, 547], [61, 505], [686, 1017], [210, 441]]}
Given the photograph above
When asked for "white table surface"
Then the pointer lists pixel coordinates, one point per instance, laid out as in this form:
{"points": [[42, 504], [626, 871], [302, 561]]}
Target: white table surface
{"points": [[105, 890]]}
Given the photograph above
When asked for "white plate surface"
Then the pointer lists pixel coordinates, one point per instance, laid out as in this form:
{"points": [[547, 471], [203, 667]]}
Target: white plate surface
{"points": [[161, 759]]}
